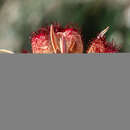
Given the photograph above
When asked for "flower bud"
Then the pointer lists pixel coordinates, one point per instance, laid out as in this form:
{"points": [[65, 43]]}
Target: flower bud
{"points": [[40, 42], [55, 39], [100, 45], [73, 41]]}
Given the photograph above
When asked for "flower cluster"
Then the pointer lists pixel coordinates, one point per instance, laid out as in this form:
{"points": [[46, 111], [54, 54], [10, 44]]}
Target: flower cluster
{"points": [[55, 39]]}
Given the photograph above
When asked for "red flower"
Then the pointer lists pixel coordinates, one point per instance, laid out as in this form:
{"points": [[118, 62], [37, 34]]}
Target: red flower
{"points": [[55, 39], [100, 45]]}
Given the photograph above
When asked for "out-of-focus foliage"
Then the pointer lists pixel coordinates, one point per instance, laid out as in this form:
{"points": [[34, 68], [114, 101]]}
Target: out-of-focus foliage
{"points": [[18, 18]]}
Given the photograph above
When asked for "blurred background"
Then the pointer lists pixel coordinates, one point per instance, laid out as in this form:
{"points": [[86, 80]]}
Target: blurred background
{"points": [[18, 18]]}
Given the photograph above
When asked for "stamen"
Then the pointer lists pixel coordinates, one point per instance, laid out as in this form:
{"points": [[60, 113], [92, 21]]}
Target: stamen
{"points": [[63, 45], [53, 39], [103, 32]]}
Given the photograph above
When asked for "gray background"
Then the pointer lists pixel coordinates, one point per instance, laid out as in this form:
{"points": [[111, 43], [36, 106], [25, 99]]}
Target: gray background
{"points": [[65, 92]]}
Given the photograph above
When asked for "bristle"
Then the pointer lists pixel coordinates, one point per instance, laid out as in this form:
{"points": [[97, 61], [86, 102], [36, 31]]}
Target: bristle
{"points": [[74, 27]]}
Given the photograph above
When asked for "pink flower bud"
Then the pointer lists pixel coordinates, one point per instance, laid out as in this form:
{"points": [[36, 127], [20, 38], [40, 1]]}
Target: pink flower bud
{"points": [[55, 39], [100, 45]]}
